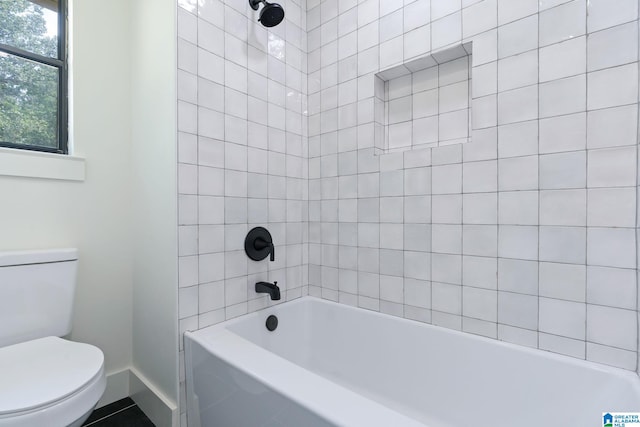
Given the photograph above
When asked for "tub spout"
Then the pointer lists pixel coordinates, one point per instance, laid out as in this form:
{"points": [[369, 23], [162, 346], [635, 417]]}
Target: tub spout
{"points": [[269, 288]]}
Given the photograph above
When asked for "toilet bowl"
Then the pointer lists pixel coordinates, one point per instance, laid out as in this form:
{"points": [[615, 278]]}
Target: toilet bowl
{"points": [[49, 382], [45, 380]]}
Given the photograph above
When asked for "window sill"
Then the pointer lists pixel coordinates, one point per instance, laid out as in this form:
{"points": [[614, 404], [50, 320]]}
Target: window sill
{"points": [[33, 164]]}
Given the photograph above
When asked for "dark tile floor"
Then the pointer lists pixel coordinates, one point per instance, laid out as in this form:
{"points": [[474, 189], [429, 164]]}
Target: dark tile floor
{"points": [[123, 413]]}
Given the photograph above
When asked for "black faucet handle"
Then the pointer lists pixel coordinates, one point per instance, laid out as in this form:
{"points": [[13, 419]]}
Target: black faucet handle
{"points": [[258, 244]]}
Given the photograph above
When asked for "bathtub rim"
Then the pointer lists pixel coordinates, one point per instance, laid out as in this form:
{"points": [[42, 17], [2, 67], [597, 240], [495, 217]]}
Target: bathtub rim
{"points": [[211, 331], [302, 385]]}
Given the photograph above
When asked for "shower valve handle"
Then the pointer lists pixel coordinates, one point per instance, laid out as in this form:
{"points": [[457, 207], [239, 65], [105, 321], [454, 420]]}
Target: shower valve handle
{"points": [[261, 244]]}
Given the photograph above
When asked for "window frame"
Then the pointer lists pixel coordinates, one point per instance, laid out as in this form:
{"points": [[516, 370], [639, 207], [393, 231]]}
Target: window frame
{"points": [[61, 63]]}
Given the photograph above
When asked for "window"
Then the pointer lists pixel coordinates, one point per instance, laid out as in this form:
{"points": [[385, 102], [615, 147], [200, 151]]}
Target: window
{"points": [[33, 75]]}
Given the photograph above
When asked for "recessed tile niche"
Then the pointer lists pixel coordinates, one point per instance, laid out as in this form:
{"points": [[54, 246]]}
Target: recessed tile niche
{"points": [[425, 102]]}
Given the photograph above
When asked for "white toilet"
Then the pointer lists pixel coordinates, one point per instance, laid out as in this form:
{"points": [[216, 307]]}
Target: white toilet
{"points": [[44, 380]]}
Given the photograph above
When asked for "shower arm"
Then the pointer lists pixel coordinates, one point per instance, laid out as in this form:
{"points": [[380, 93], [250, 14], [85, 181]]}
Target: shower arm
{"points": [[255, 4]]}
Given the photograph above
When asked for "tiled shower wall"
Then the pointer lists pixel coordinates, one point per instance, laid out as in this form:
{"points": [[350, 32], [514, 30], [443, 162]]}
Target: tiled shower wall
{"points": [[527, 233], [242, 152]]}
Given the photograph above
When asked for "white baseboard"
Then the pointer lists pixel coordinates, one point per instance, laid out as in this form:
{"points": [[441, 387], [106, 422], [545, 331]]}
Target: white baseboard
{"points": [[161, 410], [117, 387]]}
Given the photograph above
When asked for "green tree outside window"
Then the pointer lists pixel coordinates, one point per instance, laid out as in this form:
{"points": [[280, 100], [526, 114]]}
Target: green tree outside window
{"points": [[29, 88]]}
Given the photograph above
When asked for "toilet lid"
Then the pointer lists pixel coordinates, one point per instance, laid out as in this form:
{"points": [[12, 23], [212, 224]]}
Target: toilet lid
{"points": [[43, 371]]}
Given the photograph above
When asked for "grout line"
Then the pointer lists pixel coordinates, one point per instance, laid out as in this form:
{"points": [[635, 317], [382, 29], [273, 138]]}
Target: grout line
{"points": [[538, 189], [586, 176], [107, 416], [636, 231]]}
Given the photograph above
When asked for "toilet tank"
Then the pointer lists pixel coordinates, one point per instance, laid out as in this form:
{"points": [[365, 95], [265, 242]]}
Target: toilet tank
{"points": [[36, 294]]}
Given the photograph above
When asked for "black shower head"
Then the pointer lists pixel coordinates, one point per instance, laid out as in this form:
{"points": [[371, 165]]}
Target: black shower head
{"points": [[271, 14]]}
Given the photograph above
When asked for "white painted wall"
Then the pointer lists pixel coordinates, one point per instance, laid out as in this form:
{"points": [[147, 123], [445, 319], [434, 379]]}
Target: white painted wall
{"points": [[155, 318], [122, 217], [92, 215]]}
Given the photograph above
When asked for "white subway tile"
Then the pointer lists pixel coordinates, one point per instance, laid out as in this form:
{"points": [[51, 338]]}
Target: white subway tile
{"points": [[518, 310], [416, 14], [518, 336], [479, 327], [446, 298], [446, 209], [453, 97], [518, 105], [518, 71], [390, 25], [417, 265], [480, 208], [562, 345], [565, 59], [563, 22], [440, 8], [446, 268], [612, 167], [517, 37], [417, 181], [518, 207], [480, 303], [479, 272], [479, 17], [612, 326], [187, 302], [446, 320], [485, 47], [518, 173], [509, 11], [417, 42], [564, 318], [613, 87], [563, 281], [519, 276], [519, 242], [612, 356], [484, 79], [187, 210], [563, 207], [484, 113], [563, 244], [391, 289], [446, 238], [417, 237], [187, 271], [564, 96], [611, 247], [444, 31], [613, 287], [563, 170], [518, 139], [623, 37], [601, 15], [391, 236], [563, 133], [447, 179], [612, 127], [611, 207], [480, 240], [480, 176]]}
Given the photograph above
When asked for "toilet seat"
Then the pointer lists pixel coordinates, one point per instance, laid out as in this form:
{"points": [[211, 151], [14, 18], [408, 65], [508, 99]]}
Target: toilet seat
{"points": [[49, 381]]}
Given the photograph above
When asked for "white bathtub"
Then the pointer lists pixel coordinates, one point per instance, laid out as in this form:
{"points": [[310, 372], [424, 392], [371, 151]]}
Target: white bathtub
{"points": [[329, 364]]}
